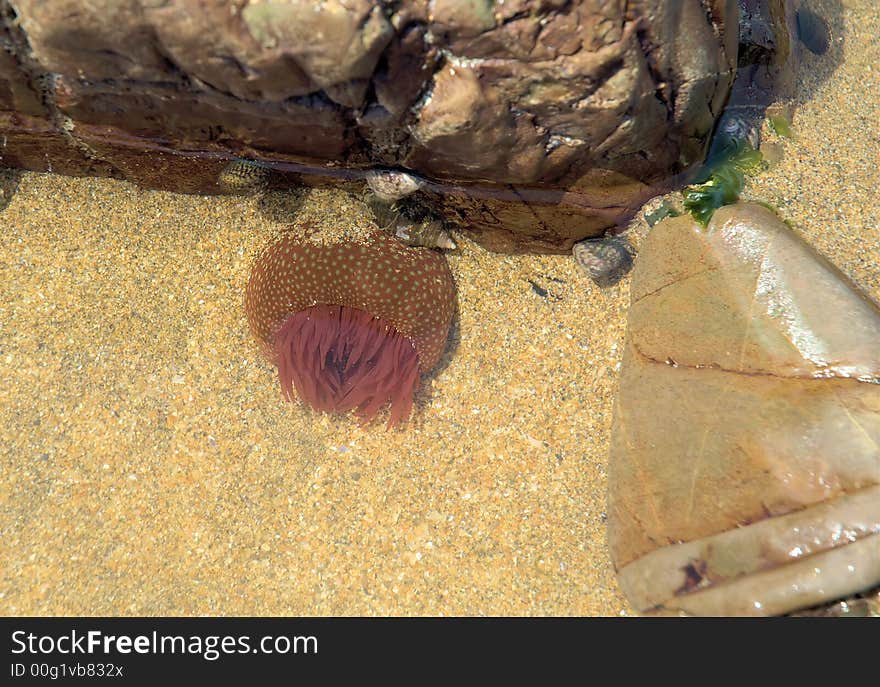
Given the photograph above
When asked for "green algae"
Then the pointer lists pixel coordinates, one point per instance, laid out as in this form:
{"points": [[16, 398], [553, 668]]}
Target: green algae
{"points": [[781, 126], [665, 210], [722, 180]]}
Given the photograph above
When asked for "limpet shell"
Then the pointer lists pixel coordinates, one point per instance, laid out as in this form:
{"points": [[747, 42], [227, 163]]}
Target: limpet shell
{"points": [[428, 234]]}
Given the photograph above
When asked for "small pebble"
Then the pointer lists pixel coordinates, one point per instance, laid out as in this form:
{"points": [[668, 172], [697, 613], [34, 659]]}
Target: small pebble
{"points": [[606, 260]]}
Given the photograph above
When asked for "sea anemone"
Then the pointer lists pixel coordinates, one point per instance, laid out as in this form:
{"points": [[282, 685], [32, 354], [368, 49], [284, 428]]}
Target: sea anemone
{"points": [[351, 324]]}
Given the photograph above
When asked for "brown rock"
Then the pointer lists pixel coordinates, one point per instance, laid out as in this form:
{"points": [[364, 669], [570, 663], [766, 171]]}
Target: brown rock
{"points": [[744, 473], [337, 47], [465, 17], [203, 122], [236, 61], [400, 81], [586, 97], [526, 96], [16, 92], [34, 143], [101, 39]]}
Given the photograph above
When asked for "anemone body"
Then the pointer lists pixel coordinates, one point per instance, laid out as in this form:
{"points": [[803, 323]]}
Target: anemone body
{"points": [[351, 325]]}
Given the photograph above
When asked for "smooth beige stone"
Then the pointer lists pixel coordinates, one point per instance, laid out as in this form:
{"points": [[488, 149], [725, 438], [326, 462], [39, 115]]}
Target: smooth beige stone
{"points": [[744, 456]]}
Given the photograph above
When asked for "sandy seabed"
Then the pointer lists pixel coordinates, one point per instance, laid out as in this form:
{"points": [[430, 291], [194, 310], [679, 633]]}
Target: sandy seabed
{"points": [[150, 467]]}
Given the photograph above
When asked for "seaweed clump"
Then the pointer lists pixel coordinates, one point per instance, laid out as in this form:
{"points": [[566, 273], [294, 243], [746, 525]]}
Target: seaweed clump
{"points": [[722, 180]]}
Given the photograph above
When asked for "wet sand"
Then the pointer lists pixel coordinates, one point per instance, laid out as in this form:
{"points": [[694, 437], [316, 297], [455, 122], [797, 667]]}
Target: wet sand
{"points": [[150, 466]]}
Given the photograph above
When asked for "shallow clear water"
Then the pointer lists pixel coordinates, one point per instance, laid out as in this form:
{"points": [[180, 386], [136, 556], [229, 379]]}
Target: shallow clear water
{"points": [[149, 465]]}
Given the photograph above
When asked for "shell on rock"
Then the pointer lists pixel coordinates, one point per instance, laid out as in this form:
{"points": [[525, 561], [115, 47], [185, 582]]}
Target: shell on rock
{"points": [[768, 61], [741, 123], [390, 185], [428, 234], [411, 225], [606, 260], [244, 177]]}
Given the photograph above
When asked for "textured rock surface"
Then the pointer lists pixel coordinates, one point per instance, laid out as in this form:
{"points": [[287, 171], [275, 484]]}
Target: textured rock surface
{"points": [[744, 474], [586, 96], [769, 55]]}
